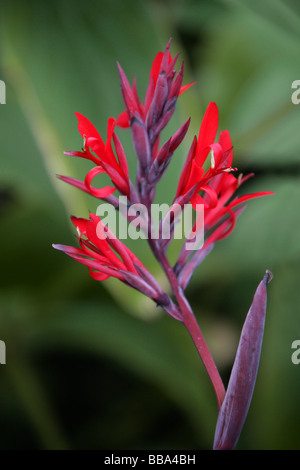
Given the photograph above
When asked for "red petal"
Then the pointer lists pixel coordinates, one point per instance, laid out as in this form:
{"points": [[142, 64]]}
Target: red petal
{"points": [[207, 133], [87, 155], [74, 182], [223, 230], [186, 87], [217, 154], [123, 165], [80, 223], [97, 146], [211, 194], [100, 193], [123, 120], [86, 128], [226, 144], [246, 197], [99, 276], [186, 169], [154, 72]]}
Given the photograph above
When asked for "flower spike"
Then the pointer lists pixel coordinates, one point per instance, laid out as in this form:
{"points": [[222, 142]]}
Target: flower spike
{"points": [[207, 179]]}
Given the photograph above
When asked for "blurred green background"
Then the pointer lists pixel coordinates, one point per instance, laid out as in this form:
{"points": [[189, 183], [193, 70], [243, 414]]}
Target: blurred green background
{"points": [[93, 365]]}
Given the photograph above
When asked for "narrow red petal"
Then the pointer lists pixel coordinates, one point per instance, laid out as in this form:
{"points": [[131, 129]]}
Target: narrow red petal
{"points": [[154, 72], [226, 144], [123, 165], [207, 133], [186, 169], [246, 197], [186, 87]]}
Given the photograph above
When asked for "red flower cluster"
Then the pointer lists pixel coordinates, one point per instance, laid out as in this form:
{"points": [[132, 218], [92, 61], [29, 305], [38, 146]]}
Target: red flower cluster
{"points": [[161, 82], [104, 157]]}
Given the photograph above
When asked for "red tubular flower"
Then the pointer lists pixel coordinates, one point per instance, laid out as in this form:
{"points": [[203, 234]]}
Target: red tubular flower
{"points": [[193, 172], [104, 157], [217, 185], [106, 256]]}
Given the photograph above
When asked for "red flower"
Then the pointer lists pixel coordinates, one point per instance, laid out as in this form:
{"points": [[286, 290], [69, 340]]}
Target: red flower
{"points": [[162, 88], [106, 256], [193, 173], [104, 157], [96, 249], [217, 185]]}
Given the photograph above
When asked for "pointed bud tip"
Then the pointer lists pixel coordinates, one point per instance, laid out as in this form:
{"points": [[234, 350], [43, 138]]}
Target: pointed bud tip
{"points": [[268, 277]]}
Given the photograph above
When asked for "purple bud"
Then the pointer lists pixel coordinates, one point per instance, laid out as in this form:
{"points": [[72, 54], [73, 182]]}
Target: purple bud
{"points": [[175, 89], [159, 100], [161, 123], [141, 142], [179, 135], [240, 389], [164, 151], [127, 93]]}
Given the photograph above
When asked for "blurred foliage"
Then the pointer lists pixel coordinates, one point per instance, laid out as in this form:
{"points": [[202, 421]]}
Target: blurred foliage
{"points": [[92, 365]]}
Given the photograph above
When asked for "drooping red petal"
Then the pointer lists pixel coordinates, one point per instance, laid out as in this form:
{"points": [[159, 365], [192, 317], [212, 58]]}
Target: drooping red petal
{"points": [[102, 192], [85, 154], [213, 198], [246, 197], [74, 182], [223, 230]]}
